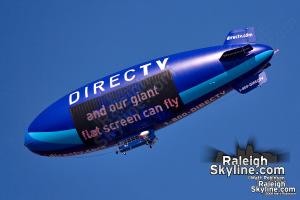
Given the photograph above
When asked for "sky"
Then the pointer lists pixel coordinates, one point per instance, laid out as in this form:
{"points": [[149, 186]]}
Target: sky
{"points": [[49, 48]]}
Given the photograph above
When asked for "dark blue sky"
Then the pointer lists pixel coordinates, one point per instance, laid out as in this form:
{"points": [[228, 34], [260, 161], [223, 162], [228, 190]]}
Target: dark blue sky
{"points": [[48, 48]]}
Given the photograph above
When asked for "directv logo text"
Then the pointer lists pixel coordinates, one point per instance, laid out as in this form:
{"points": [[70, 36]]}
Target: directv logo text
{"points": [[234, 37], [114, 80]]}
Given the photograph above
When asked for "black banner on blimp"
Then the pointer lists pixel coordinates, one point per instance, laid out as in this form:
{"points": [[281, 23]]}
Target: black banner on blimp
{"points": [[127, 111]]}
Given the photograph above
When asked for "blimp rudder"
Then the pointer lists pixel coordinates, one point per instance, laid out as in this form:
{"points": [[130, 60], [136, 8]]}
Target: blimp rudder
{"points": [[241, 36]]}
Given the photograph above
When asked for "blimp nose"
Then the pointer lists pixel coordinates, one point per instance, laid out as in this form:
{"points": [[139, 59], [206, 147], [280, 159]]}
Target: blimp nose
{"points": [[31, 144], [53, 131], [27, 141]]}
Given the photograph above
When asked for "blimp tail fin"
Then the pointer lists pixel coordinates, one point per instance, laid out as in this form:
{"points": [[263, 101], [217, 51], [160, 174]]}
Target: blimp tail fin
{"points": [[241, 36], [250, 83]]}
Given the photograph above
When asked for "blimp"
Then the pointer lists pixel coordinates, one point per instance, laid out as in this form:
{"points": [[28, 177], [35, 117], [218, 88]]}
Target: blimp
{"points": [[125, 109]]}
